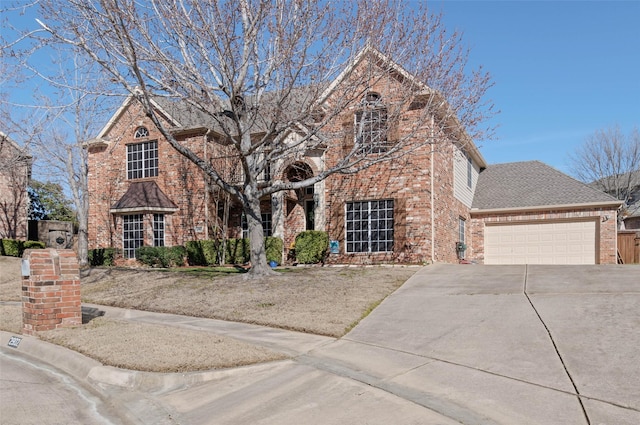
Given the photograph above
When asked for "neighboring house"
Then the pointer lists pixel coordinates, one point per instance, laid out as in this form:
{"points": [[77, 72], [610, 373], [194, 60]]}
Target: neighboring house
{"points": [[631, 215], [414, 209], [628, 189], [631, 211], [15, 172]]}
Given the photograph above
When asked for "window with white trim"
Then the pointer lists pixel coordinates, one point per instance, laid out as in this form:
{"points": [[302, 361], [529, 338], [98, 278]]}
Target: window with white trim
{"points": [[132, 234], [369, 226], [142, 160], [371, 125], [140, 133], [158, 230], [461, 228]]}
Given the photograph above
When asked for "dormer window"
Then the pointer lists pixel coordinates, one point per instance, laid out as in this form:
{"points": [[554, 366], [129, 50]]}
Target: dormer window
{"points": [[141, 132], [371, 125]]}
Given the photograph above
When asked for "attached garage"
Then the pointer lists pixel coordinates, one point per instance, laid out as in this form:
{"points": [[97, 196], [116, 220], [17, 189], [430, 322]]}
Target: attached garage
{"points": [[538, 242], [530, 213]]}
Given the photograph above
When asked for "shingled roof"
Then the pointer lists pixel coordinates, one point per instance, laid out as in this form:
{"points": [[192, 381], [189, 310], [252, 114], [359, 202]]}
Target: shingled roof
{"points": [[144, 196], [532, 184]]}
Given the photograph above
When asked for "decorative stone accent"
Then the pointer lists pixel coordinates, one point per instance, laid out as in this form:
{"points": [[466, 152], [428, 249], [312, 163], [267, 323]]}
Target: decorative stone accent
{"points": [[50, 290]]}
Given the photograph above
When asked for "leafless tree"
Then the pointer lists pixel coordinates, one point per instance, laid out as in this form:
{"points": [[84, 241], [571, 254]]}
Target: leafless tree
{"points": [[610, 161], [59, 148], [65, 109], [264, 72]]}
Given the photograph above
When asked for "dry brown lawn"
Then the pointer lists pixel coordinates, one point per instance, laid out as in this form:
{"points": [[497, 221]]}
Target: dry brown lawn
{"points": [[320, 300]]}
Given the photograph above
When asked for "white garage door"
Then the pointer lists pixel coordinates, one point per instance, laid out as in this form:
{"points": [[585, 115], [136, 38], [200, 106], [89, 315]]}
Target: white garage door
{"points": [[571, 242]]}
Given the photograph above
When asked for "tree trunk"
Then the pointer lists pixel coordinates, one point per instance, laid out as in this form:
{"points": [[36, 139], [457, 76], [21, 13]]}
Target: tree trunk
{"points": [[83, 233], [83, 246], [258, 255]]}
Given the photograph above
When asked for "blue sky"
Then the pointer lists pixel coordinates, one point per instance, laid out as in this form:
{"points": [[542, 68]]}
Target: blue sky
{"points": [[562, 69]]}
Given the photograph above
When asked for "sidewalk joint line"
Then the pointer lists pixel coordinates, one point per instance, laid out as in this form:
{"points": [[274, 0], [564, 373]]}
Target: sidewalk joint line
{"points": [[555, 346]]}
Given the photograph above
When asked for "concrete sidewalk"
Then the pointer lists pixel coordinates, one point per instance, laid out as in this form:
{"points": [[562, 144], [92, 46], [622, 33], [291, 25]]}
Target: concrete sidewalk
{"points": [[454, 345]]}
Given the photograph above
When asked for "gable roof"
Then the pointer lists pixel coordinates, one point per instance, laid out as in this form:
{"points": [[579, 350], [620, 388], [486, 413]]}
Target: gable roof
{"points": [[144, 196], [533, 185], [185, 117], [422, 91]]}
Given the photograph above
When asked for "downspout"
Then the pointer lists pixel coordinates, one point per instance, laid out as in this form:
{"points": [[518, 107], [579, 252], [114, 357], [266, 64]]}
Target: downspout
{"points": [[433, 220], [207, 190]]}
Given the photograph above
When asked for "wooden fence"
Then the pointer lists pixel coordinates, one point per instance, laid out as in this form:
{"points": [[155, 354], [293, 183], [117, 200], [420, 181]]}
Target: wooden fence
{"points": [[628, 247]]}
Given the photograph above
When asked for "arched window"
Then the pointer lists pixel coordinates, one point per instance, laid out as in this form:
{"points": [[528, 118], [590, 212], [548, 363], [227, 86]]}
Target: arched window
{"points": [[140, 133], [371, 124]]}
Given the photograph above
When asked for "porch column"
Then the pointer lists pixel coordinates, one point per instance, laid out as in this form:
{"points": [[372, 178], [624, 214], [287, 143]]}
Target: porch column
{"points": [[277, 214]]}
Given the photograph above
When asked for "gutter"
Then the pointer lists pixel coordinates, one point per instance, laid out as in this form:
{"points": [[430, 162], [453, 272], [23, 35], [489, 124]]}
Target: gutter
{"points": [[142, 210], [560, 207]]}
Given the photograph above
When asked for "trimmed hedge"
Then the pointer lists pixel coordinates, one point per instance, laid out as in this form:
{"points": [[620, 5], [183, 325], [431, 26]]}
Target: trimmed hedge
{"points": [[274, 247], [102, 257], [207, 252], [15, 247], [202, 253], [34, 245], [238, 251], [11, 247], [161, 256], [311, 246]]}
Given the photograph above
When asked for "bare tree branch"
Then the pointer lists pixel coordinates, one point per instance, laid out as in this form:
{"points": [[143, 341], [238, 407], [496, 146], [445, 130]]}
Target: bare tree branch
{"points": [[610, 161], [272, 78]]}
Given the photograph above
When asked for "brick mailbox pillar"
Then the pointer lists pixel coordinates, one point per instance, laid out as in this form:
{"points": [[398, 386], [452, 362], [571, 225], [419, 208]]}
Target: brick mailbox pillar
{"points": [[50, 290]]}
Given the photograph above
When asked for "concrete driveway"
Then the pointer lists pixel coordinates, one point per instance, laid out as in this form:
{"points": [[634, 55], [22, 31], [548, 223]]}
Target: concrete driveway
{"points": [[507, 344], [456, 344]]}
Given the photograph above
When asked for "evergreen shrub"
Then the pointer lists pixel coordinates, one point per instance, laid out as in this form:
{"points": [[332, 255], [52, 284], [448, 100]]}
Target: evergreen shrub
{"points": [[311, 246], [102, 257], [161, 256]]}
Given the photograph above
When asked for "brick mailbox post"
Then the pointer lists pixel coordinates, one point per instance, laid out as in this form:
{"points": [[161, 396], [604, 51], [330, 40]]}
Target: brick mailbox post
{"points": [[50, 290]]}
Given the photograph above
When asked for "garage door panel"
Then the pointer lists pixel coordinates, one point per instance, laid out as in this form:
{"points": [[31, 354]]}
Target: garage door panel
{"points": [[571, 242]]}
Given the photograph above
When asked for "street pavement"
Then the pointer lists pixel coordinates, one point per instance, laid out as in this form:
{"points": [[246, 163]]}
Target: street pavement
{"points": [[456, 344]]}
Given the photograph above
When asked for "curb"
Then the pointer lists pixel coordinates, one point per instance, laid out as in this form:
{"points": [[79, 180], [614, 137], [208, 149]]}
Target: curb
{"points": [[97, 375]]}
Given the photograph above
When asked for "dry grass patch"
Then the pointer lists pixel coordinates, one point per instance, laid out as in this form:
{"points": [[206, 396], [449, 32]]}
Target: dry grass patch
{"points": [[11, 317], [319, 300], [10, 279]]}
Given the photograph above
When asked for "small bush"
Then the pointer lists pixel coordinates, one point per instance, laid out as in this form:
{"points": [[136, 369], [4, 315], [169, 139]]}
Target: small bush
{"points": [[34, 245], [11, 247], [311, 247], [274, 247], [102, 257], [161, 256]]}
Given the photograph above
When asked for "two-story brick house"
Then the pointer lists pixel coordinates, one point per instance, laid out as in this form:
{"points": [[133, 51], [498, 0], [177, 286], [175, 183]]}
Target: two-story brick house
{"points": [[15, 172], [413, 209]]}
